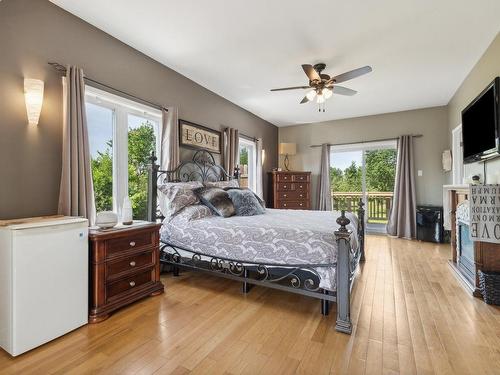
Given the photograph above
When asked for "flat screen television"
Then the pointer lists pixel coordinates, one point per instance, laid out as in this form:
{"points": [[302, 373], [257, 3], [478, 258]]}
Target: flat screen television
{"points": [[481, 125]]}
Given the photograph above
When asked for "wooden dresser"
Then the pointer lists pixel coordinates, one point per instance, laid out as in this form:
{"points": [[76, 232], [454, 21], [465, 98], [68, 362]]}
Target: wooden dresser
{"points": [[290, 190], [124, 267]]}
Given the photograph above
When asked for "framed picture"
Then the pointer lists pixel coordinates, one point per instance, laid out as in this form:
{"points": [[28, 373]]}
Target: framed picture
{"points": [[199, 137]]}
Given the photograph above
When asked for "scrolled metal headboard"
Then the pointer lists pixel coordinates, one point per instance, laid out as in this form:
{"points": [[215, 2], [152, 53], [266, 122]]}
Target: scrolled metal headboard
{"points": [[202, 167]]}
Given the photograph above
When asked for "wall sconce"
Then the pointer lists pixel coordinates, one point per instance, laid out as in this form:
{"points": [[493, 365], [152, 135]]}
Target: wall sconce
{"points": [[33, 95]]}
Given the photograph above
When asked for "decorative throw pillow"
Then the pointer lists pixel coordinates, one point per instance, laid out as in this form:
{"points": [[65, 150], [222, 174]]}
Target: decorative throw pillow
{"points": [[217, 200], [174, 196], [223, 184], [245, 202], [194, 212], [261, 201]]}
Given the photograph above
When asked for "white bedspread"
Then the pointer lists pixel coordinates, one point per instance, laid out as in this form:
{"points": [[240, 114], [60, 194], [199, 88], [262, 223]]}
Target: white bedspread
{"points": [[278, 236]]}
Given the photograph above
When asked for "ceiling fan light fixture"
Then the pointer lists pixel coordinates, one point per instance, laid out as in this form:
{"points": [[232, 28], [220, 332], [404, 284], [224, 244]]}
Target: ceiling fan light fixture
{"points": [[327, 93], [320, 98], [311, 94]]}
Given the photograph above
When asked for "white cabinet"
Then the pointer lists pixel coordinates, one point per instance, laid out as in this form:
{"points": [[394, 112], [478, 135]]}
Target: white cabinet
{"points": [[43, 281]]}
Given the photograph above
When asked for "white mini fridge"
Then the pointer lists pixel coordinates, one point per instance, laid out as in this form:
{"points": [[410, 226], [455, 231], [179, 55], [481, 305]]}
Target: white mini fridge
{"points": [[43, 280]]}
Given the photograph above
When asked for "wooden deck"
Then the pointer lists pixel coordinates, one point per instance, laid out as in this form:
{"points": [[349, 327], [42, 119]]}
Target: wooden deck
{"points": [[411, 316]]}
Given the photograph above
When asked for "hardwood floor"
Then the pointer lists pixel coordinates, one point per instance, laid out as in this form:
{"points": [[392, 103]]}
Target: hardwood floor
{"points": [[411, 316]]}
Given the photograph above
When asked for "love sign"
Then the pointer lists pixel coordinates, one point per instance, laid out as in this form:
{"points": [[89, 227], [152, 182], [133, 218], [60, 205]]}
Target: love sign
{"points": [[200, 137], [485, 213]]}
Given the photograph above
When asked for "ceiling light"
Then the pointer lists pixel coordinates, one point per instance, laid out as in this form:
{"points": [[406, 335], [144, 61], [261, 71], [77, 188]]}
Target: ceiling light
{"points": [[311, 94], [320, 98], [327, 93]]}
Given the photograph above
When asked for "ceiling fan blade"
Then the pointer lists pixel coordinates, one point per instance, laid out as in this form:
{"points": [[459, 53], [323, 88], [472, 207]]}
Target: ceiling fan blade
{"points": [[305, 100], [352, 74], [341, 90], [311, 73], [291, 88]]}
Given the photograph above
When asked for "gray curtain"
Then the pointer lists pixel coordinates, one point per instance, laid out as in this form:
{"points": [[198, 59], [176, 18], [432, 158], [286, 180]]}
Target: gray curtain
{"points": [[170, 156], [76, 194], [259, 189], [402, 221], [324, 187], [231, 149]]}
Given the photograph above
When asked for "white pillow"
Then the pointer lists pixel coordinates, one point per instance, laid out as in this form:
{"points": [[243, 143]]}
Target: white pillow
{"points": [[174, 196]]}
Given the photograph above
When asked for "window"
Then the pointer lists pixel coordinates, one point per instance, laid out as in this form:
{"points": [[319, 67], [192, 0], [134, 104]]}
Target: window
{"points": [[122, 135], [366, 171], [248, 163]]}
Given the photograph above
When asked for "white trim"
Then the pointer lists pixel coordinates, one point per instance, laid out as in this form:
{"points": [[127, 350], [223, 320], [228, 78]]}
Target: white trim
{"points": [[252, 161], [363, 146], [122, 108], [457, 155]]}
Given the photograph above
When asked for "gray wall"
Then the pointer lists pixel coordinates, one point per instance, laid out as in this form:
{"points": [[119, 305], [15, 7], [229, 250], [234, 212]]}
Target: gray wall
{"points": [[34, 32], [487, 68], [430, 122]]}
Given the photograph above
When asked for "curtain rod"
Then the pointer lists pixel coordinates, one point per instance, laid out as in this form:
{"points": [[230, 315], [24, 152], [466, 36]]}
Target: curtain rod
{"points": [[253, 139], [99, 85], [373, 140]]}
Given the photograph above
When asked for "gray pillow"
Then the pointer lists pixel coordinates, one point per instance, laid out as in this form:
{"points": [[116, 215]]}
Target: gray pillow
{"points": [[245, 203], [261, 201], [216, 199]]}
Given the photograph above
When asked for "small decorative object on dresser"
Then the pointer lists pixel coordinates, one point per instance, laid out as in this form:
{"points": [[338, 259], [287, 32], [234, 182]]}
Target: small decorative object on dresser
{"points": [[124, 267], [106, 219], [290, 190]]}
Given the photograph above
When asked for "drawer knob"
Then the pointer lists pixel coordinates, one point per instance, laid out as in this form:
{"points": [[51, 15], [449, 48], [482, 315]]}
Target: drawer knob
{"points": [[132, 243], [132, 264], [300, 186], [300, 204], [132, 283], [285, 195], [300, 195], [284, 204], [284, 186]]}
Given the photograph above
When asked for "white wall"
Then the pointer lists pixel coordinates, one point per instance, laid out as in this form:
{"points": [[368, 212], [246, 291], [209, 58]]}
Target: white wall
{"points": [[486, 69]]}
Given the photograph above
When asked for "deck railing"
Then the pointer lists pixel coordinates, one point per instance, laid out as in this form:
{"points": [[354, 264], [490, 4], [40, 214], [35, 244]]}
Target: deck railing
{"points": [[378, 207]]}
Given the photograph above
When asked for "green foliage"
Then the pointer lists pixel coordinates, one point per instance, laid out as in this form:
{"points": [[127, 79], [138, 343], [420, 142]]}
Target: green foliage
{"points": [[243, 156], [380, 173], [141, 142], [348, 180], [380, 170]]}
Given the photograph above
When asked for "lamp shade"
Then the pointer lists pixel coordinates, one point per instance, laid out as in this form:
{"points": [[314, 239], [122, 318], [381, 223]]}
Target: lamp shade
{"points": [[288, 149], [33, 96]]}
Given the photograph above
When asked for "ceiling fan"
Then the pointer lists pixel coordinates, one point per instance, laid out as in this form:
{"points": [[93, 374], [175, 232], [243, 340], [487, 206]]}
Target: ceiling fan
{"points": [[323, 86]]}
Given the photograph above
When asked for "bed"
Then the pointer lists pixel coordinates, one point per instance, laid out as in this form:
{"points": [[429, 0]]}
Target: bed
{"points": [[313, 253]]}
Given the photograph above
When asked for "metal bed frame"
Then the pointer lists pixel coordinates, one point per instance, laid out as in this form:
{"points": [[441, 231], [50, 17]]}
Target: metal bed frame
{"points": [[296, 278]]}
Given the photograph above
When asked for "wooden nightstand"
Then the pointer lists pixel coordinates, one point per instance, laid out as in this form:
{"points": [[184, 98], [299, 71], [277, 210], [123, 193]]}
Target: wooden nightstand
{"points": [[124, 267]]}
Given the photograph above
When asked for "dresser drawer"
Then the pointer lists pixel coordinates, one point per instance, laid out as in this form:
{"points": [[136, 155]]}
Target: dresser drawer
{"points": [[302, 205], [129, 263], [302, 187], [127, 284], [301, 177], [293, 195], [285, 186], [136, 240], [284, 177]]}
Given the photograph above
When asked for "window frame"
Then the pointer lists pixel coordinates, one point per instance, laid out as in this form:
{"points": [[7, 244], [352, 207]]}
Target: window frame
{"points": [[122, 108], [252, 168]]}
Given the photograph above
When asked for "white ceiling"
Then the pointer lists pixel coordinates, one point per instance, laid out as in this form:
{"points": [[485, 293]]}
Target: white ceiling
{"points": [[420, 50]]}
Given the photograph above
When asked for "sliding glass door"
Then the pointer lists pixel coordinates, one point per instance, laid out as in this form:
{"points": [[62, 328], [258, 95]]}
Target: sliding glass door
{"points": [[365, 171]]}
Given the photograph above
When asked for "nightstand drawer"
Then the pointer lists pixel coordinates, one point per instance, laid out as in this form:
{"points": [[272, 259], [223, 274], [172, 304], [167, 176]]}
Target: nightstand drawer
{"points": [[128, 264], [136, 240], [127, 284], [293, 205]]}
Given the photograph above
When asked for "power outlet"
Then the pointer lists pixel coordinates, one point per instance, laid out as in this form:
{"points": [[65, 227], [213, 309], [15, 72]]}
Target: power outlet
{"points": [[420, 173]]}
